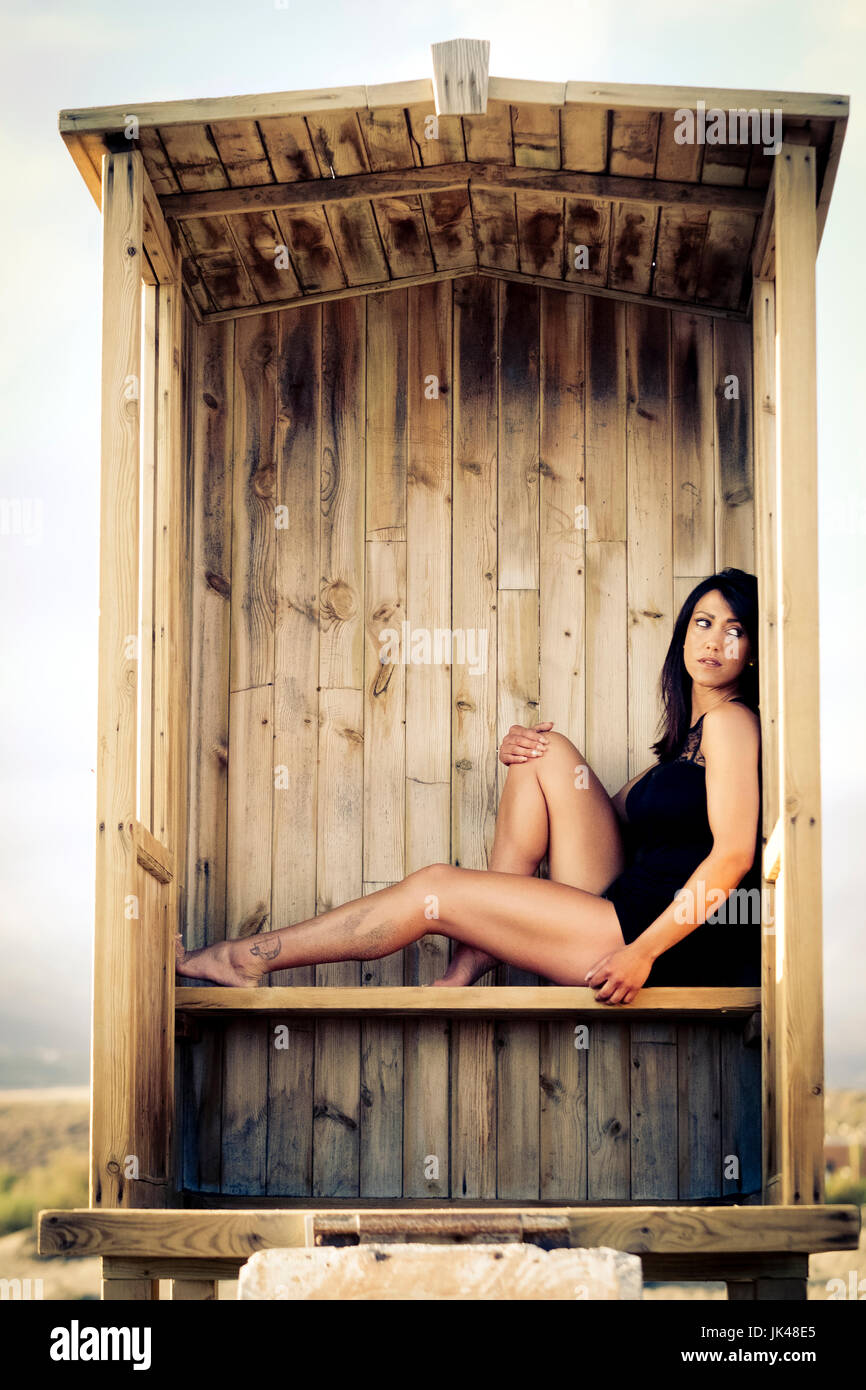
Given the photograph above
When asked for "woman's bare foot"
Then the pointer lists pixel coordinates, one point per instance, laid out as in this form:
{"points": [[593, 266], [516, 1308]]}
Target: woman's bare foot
{"points": [[467, 966], [222, 963]]}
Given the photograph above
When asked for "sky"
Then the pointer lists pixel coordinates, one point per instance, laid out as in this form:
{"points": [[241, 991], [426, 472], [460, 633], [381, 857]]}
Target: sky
{"points": [[56, 56]]}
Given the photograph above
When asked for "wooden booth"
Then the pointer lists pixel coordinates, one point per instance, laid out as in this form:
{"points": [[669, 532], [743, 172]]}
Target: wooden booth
{"points": [[497, 357]]}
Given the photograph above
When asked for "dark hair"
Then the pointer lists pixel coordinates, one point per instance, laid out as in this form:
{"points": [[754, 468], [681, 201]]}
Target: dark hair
{"points": [[675, 684]]}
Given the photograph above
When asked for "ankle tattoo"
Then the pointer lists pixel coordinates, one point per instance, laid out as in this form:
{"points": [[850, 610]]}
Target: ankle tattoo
{"points": [[265, 952]]}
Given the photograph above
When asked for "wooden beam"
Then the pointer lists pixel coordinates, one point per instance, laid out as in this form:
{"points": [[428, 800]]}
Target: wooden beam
{"points": [[660, 1230], [799, 1000], [549, 1001], [349, 188], [204, 110], [116, 770], [350, 291], [764, 249], [162, 251], [518, 91], [461, 69], [345, 292], [406, 183], [829, 179], [652, 98], [601, 292], [151, 855], [615, 188]]}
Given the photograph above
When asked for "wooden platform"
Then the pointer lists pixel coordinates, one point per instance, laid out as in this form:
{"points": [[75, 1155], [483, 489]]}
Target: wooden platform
{"points": [[553, 1001], [762, 1251]]}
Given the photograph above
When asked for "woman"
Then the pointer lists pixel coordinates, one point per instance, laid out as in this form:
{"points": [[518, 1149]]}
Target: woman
{"points": [[691, 824]]}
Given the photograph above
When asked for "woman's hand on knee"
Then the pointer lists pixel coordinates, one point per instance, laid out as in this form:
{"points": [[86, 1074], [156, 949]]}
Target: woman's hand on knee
{"points": [[521, 743]]}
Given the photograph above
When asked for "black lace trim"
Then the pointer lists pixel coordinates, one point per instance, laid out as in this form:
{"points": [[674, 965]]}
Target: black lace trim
{"points": [[692, 747]]}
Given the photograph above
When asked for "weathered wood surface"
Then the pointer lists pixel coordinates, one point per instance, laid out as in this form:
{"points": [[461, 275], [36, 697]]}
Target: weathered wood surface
{"points": [[798, 943], [413, 1001], [287, 209], [348, 459], [656, 1230]]}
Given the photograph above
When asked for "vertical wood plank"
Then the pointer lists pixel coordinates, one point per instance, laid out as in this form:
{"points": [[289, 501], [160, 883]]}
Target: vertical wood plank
{"points": [[518, 326], [606, 594], [296, 732], [740, 1114], [518, 1108], [517, 1058], [562, 528], [764, 394], [384, 713], [653, 1111], [381, 1111], [608, 1112], [290, 1043], [692, 427], [517, 646], [148, 407], [426, 1042], [799, 999], [428, 598], [246, 1043], [473, 697], [650, 558], [563, 1120], [386, 415], [116, 770], [426, 1108], [211, 406], [254, 487], [210, 632], [473, 1110], [385, 656], [170, 587], [150, 1082], [474, 578], [735, 503], [251, 737], [172, 583], [296, 628], [699, 1110], [336, 1097]]}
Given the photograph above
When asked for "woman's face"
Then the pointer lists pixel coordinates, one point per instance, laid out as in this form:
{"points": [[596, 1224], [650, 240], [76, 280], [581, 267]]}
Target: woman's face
{"points": [[717, 645]]}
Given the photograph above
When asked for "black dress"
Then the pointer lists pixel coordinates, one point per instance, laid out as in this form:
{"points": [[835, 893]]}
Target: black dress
{"points": [[667, 836]]}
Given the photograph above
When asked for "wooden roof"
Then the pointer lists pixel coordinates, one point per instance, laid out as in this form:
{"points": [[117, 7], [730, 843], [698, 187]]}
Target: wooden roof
{"points": [[350, 183]]}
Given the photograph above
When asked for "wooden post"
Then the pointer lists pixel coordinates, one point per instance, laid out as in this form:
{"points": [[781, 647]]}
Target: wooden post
{"points": [[799, 1003], [460, 76], [122, 244], [764, 397], [137, 891]]}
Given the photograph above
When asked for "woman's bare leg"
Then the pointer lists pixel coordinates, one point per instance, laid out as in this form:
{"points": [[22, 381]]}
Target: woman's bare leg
{"points": [[549, 928], [552, 804]]}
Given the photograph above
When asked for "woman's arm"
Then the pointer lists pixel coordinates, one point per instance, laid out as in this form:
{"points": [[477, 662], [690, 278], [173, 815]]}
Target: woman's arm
{"points": [[731, 746]]}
